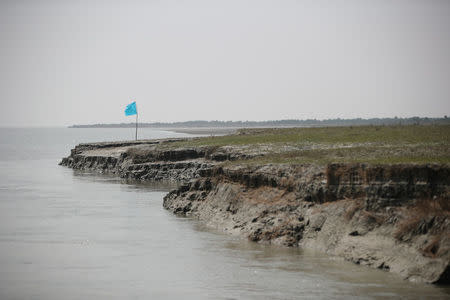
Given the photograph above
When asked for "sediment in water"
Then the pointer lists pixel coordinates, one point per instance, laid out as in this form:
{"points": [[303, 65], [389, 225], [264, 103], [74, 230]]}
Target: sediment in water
{"points": [[390, 217]]}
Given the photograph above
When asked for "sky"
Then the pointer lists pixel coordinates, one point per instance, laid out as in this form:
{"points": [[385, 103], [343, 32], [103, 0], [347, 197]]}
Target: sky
{"points": [[81, 62]]}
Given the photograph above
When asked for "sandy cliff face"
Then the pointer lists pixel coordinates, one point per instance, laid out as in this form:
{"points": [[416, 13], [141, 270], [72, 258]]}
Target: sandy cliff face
{"points": [[391, 217]]}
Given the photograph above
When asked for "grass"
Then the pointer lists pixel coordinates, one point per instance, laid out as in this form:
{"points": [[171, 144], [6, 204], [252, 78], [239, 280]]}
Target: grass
{"points": [[369, 144], [329, 135], [359, 154]]}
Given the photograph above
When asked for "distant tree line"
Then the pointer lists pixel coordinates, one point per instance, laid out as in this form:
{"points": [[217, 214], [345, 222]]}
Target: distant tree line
{"points": [[280, 123]]}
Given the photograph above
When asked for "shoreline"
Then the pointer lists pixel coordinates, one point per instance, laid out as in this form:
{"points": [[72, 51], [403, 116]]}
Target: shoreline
{"points": [[391, 216]]}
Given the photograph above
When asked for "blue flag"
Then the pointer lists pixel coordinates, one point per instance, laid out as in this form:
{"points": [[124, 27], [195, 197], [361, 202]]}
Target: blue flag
{"points": [[131, 109]]}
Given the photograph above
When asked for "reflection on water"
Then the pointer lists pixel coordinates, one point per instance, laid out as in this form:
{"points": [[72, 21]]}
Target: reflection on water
{"points": [[72, 235], [138, 185]]}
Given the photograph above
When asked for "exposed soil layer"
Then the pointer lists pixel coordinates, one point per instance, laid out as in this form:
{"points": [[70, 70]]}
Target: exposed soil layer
{"points": [[390, 217]]}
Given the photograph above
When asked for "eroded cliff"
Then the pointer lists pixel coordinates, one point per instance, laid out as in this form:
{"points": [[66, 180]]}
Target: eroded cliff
{"points": [[391, 217]]}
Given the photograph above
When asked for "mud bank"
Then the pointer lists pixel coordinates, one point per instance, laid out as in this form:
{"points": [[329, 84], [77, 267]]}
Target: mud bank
{"points": [[390, 217]]}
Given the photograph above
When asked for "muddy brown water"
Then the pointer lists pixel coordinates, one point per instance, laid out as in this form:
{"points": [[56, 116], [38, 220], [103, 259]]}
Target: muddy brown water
{"points": [[76, 235]]}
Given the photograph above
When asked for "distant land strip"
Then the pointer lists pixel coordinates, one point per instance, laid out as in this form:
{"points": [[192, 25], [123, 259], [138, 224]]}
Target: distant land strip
{"points": [[278, 123]]}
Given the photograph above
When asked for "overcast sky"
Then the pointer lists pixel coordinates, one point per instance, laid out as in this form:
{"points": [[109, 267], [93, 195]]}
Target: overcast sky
{"points": [[78, 62]]}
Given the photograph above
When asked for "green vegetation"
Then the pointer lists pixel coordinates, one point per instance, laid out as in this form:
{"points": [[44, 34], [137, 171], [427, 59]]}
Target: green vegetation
{"points": [[369, 154], [370, 144], [352, 134]]}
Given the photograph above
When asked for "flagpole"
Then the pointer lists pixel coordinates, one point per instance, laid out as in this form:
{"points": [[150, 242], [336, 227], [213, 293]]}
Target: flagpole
{"points": [[136, 123]]}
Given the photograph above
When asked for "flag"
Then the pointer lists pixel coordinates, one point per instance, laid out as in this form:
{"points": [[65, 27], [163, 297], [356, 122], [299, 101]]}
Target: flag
{"points": [[131, 109]]}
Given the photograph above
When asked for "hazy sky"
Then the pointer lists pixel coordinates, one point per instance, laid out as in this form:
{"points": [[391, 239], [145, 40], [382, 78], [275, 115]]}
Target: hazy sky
{"points": [[77, 62]]}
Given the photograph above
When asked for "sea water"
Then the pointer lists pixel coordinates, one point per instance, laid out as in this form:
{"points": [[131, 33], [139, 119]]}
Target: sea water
{"points": [[66, 234]]}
